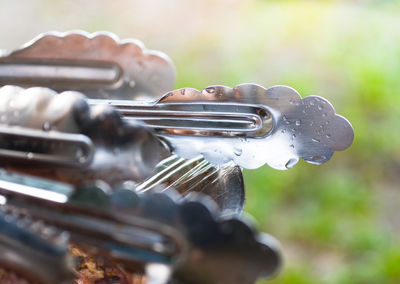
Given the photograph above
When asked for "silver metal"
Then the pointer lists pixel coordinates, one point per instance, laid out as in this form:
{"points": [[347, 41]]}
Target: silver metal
{"points": [[112, 229], [71, 140], [188, 240], [247, 124], [224, 184], [36, 252], [36, 146], [98, 64]]}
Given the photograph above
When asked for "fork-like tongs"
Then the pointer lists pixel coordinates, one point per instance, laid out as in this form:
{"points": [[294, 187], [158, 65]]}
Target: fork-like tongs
{"points": [[247, 124], [144, 233]]}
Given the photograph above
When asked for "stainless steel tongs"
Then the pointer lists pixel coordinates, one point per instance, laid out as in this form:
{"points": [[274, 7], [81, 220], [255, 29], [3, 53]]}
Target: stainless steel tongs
{"points": [[139, 231], [248, 124]]}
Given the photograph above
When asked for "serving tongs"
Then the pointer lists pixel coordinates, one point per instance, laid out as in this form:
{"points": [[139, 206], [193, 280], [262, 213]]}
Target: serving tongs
{"points": [[141, 232], [247, 124]]}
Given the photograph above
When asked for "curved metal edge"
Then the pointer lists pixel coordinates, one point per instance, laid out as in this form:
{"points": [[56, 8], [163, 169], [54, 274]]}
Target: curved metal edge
{"points": [[307, 128], [165, 72]]}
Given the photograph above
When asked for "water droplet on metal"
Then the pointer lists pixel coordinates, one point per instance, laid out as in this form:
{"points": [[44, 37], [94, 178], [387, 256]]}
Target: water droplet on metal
{"points": [[328, 136], [132, 83], [298, 122], [284, 118], [78, 153], [291, 146], [237, 151], [320, 107], [315, 140], [324, 115], [317, 159], [290, 164], [46, 126], [29, 155], [210, 90]]}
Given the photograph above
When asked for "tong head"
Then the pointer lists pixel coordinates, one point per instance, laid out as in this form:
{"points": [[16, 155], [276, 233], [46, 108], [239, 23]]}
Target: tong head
{"points": [[67, 139], [247, 124], [139, 231], [100, 64], [33, 250], [224, 184]]}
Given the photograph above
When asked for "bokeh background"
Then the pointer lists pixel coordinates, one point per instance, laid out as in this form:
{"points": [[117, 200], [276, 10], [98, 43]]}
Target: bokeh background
{"points": [[339, 222]]}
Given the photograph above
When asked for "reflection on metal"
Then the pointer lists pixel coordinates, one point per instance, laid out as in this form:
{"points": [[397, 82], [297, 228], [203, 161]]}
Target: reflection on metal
{"points": [[149, 181], [247, 124], [99, 64], [72, 141], [187, 238], [224, 184], [36, 146]]}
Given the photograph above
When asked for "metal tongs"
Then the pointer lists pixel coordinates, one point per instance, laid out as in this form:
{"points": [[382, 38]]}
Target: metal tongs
{"points": [[212, 133], [186, 240], [247, 124]]}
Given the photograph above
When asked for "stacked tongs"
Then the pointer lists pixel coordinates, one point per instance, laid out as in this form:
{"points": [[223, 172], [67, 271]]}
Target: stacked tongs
{"points": [[98, 153]]}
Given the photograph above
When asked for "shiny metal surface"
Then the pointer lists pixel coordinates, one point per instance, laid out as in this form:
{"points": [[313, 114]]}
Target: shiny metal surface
{"points": [[98, 64], [247, 124], [188, 238], [117, 228], [38, 146], [224, 184], [72, 141], [36, 252]]}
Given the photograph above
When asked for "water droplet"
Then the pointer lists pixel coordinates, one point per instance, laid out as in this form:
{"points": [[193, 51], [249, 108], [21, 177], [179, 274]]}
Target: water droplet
{"points": [[132, 83], [29, 155], [293, 136], [290, 164], [79, 153], [283, 131], [324, 115], [293, 130], [327, 122], [320, 107], [328, 136], [315, 140], [317, 159], [298, 122], [291, 146], [311, 103], [46, 126], [237, 151], [285, 119], [292, 101], [210, 90], [304, 111]]}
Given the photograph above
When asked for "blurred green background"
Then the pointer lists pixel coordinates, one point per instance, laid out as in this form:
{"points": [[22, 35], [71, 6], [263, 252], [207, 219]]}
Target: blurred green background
{"points": [[339, 222]]}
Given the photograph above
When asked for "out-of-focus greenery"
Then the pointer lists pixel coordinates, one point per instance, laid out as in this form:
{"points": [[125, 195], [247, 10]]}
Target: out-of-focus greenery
{"points": [[339, 222]]}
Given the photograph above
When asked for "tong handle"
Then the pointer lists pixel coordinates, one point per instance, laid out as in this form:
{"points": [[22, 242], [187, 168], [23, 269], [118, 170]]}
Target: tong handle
{"points": [[197, 118], [122, 233], [25, 144]]}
